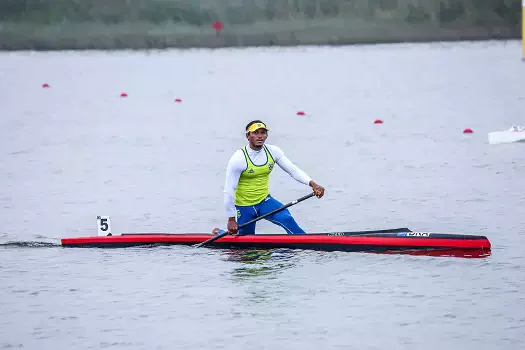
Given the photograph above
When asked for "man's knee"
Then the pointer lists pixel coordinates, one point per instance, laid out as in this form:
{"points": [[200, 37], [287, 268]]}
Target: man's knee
{"points": [[287, 221], [285, 215]]}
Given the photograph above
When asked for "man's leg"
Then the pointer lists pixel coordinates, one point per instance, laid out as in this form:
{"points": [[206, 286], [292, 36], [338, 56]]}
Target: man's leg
{"points": [[245, 214], [282, 218]]}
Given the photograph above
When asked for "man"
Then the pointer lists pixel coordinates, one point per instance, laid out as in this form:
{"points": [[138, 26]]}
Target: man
{"points": [[246, 189]]}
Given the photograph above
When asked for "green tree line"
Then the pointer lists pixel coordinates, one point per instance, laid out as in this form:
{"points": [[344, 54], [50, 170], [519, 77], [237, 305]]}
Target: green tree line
{"points": [[138, 24], [235, 12]]}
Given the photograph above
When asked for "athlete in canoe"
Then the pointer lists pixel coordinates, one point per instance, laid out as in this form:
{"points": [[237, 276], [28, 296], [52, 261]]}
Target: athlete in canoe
{"points": [[246, 189]]}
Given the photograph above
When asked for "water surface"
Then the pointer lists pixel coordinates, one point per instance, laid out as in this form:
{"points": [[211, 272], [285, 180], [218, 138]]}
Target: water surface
{"points": [[77, 150]]}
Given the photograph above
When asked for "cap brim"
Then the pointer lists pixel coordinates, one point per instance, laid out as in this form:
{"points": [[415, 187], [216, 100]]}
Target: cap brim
{"points": [[257, 128]]}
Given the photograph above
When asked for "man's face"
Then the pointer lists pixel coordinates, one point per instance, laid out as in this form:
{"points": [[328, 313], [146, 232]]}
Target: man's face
{"points": [[257, 137]]}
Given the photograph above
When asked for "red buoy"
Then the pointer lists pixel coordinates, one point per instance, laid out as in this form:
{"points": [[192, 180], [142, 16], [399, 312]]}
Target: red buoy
{"points": [[123, 94], [178, 100], [45, 85], [300, 113], [378, 121], [468, 131], [217, 26]]}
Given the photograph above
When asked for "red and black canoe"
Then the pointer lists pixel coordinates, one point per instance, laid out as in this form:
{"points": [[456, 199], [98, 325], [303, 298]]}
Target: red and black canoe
{"points": [[399, 239]]}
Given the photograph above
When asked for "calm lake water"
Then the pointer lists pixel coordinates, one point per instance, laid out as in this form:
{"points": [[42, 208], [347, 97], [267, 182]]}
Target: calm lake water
{"points": [[77, 150]]}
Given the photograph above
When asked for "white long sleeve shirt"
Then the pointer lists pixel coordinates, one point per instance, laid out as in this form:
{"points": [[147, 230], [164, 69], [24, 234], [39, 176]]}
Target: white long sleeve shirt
{"points": [[237, 165]]}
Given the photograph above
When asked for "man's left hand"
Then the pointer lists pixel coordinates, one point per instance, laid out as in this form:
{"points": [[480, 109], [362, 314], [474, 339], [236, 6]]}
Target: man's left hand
{"points": [[318, 190]]}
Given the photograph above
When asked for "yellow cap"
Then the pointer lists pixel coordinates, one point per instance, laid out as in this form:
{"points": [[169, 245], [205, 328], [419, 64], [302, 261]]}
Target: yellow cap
{"points": [[256, 126]]}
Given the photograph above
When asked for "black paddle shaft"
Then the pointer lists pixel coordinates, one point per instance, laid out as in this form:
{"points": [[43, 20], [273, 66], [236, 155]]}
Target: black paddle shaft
{"points": [[257, 219]]}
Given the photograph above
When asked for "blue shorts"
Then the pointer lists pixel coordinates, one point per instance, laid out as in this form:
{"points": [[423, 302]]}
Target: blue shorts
{"points": [[282, 218]]}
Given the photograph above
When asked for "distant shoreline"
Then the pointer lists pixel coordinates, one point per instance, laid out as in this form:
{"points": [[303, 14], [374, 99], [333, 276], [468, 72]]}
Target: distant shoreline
{"points": [[20, 37], [185, 24]]}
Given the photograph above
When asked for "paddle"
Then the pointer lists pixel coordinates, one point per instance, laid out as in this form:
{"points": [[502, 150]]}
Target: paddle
{"points": [[256, 219]]}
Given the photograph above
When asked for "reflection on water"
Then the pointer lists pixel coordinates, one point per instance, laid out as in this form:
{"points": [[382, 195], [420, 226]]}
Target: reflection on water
{"points": [[455, 253], [267, 262], [255, 268], [260, 262]]}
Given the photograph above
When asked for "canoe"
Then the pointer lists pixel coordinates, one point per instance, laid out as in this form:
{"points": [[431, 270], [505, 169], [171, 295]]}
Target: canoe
{"points": [[397, 239]]}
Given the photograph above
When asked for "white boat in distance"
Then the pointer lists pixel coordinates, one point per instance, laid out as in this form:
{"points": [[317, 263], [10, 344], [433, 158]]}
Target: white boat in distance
{"points": [[513, 134]]}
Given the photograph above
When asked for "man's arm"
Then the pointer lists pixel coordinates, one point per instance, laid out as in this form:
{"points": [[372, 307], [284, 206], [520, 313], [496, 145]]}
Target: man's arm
{"points": [[236, 166]]}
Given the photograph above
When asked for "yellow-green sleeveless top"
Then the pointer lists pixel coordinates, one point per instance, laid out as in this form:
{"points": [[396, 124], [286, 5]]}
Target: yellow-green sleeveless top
{"points": [[254, 181]]}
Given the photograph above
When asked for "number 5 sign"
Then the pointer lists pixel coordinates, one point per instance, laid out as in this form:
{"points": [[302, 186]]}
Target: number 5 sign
{"points": [[103, 226]]}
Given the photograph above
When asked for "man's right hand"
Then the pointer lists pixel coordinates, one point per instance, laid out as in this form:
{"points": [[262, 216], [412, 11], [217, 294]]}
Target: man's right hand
{"points": [[232, 226]]}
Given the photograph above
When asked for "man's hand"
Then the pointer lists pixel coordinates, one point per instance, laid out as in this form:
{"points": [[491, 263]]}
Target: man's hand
{"points": [[232, 226], [318, 190]]}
